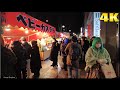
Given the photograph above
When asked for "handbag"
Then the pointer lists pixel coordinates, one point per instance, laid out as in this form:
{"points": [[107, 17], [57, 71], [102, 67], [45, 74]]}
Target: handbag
{"points": [[93, 73]]}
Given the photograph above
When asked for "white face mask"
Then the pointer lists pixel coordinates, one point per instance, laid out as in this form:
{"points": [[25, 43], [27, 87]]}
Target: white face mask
{"points": [[98, 45]]}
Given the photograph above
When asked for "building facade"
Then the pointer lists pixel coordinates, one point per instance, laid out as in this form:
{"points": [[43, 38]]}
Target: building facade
{"points": [[109, 32], [92, 24]]}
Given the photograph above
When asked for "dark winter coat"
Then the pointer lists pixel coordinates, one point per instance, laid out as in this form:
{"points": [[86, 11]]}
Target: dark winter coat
{"points": [[35, 59], [54, 50], [28, 49], [85, 46], [20, 53], [8, 63]]}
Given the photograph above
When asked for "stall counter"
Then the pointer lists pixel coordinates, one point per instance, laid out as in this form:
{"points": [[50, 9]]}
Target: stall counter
{"points": [[45, 54]]}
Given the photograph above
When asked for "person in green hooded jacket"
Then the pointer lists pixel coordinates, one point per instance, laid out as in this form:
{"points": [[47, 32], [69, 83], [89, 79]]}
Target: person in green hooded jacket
{"points": [[96, 54]]}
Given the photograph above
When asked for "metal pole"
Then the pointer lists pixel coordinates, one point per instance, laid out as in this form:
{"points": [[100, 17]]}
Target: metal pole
{"points": [[118, 46], [0, 46], [118, 52]]}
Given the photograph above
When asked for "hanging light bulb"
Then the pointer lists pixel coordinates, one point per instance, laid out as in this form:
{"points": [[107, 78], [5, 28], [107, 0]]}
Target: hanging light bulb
{"points": [[37, 33], [34, 31], [26, 31], [7, 28], [8, 38], [21, 28]]}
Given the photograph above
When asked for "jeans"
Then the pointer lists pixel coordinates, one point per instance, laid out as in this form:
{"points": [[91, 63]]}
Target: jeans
{"points": [[70, 72]]}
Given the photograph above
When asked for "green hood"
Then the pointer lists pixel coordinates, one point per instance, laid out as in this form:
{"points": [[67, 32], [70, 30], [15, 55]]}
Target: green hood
{"points": [[96, 40]]}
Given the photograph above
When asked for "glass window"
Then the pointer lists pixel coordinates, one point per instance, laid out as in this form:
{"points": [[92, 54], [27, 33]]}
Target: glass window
{"points": [[96, 15]]}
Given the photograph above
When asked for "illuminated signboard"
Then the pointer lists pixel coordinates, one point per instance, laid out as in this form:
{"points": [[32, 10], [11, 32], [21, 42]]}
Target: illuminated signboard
{"points": [[86, 32], [21, 19], [96, 24]]}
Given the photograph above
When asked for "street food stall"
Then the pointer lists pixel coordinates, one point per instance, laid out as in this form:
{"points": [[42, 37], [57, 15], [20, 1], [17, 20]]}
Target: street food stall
{"points": [[62, 35], [18, 24]]}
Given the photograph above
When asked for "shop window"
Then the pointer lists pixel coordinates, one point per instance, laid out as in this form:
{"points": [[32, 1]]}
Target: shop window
{"points": [[96, 15]]}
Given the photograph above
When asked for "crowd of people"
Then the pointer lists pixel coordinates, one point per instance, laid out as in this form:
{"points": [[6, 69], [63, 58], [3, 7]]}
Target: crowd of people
{"points": [[19, 57], [89, 52]]}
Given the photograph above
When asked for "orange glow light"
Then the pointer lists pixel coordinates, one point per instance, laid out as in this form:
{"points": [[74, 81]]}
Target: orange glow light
{"points": [[26, 31]]}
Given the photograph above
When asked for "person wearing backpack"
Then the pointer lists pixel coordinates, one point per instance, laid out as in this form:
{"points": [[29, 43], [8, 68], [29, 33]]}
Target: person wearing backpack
{"points": [[73, 51]]}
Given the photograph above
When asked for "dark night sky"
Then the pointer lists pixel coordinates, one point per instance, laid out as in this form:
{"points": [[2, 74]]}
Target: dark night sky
{"points": [[72, 20]]}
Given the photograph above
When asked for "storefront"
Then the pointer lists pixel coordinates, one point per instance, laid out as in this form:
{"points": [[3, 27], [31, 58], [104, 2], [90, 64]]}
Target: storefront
{"points": [[92, 24], [88, 25], [18, 24], [110, 35], [60, 36]]}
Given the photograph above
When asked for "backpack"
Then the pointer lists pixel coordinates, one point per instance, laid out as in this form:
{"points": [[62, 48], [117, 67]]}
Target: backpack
{"points": [[74, 51]]}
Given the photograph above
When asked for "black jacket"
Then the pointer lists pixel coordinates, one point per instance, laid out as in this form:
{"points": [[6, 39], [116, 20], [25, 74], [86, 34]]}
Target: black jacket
{"points": [[54, 50], [35, 59], [28, 49], [8, 63], [20, 53]]}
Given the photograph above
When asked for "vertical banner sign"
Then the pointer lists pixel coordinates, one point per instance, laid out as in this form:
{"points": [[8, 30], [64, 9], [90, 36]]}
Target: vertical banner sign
{"points": [[96, 24], [89, 30]]}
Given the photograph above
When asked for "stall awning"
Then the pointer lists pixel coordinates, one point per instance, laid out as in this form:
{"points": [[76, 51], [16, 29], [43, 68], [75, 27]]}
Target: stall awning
{"points": [[21, 19], [18, 24]]}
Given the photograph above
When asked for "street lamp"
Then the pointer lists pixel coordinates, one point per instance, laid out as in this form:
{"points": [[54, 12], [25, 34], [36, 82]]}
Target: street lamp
{"points": [[46, 20], [69, 30], [63, 29], [63, 26]]}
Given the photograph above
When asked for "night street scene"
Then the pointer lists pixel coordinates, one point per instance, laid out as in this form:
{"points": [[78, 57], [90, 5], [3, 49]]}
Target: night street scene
{"points": [[59, 45]]}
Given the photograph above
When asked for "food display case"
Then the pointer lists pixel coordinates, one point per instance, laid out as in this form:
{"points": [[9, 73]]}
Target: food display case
{"points": [[45, 45]]}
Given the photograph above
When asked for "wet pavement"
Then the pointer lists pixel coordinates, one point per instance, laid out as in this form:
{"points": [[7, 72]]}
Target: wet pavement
{"points": [[49, 72]]}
